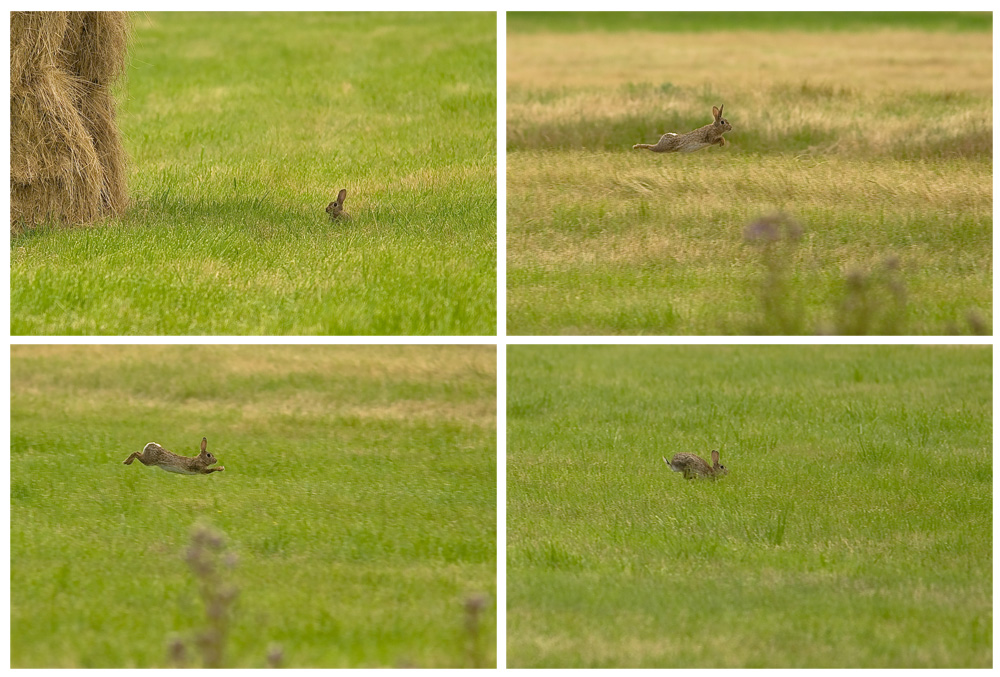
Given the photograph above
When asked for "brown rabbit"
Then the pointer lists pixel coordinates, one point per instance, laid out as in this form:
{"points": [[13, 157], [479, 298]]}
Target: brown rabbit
{"points": [[709, 135], [336, 208], [695, 466], [154, 454]]}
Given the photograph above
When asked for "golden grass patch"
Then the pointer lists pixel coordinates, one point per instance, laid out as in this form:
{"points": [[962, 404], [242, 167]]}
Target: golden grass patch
{"points": [[420, 364], [480, 413], [878, 62], [678, 188]]}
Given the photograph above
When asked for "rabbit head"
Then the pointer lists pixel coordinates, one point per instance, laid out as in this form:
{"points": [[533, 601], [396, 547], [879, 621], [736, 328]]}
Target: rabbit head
{"points": [[205, 458], [717, 468], [336, 208], [720, 121]]}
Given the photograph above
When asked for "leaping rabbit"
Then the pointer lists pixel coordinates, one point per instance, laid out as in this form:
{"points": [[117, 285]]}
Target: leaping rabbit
{"points": [[709, 135], [154, 454], [693, 466]]}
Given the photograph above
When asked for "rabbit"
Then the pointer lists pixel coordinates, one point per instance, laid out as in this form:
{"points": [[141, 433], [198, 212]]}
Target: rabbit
{"points": [[695, 466], [336, 209], [709, 135], [154, 454]]}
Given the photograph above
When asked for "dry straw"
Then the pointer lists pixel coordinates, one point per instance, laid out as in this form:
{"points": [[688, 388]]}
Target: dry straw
{"points": [[67, 161]]}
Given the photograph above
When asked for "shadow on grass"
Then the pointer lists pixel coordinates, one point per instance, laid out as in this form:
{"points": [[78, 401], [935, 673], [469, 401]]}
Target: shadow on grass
{"points": [[167, 208]]}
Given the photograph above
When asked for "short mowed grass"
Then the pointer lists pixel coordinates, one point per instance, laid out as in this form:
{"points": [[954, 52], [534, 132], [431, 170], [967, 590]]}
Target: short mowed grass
{"points": [[879, 148], [359, 498], [854, 528], [241, 128]]}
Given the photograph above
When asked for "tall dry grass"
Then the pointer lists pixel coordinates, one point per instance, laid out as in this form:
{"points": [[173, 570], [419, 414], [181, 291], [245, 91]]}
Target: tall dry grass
{"points": [[904, 93]]}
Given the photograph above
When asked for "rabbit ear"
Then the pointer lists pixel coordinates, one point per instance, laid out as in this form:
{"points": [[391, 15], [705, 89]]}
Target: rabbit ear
{"points": [[204, 444], [341, 196], [716, 112], [715, 458]]}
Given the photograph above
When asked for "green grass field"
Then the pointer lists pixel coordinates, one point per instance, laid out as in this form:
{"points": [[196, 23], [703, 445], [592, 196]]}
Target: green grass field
{"points": [[853, 530], [359, 495], [241, 128], [880, 149]]}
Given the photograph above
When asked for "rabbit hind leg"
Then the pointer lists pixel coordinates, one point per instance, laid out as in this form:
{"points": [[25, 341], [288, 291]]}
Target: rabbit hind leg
{"points": [[668, 143]]}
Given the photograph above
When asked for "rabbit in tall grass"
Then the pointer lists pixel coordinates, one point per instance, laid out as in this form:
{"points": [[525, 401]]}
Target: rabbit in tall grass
{"points": [[154, 454], [709, 135], [695, 466]]}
